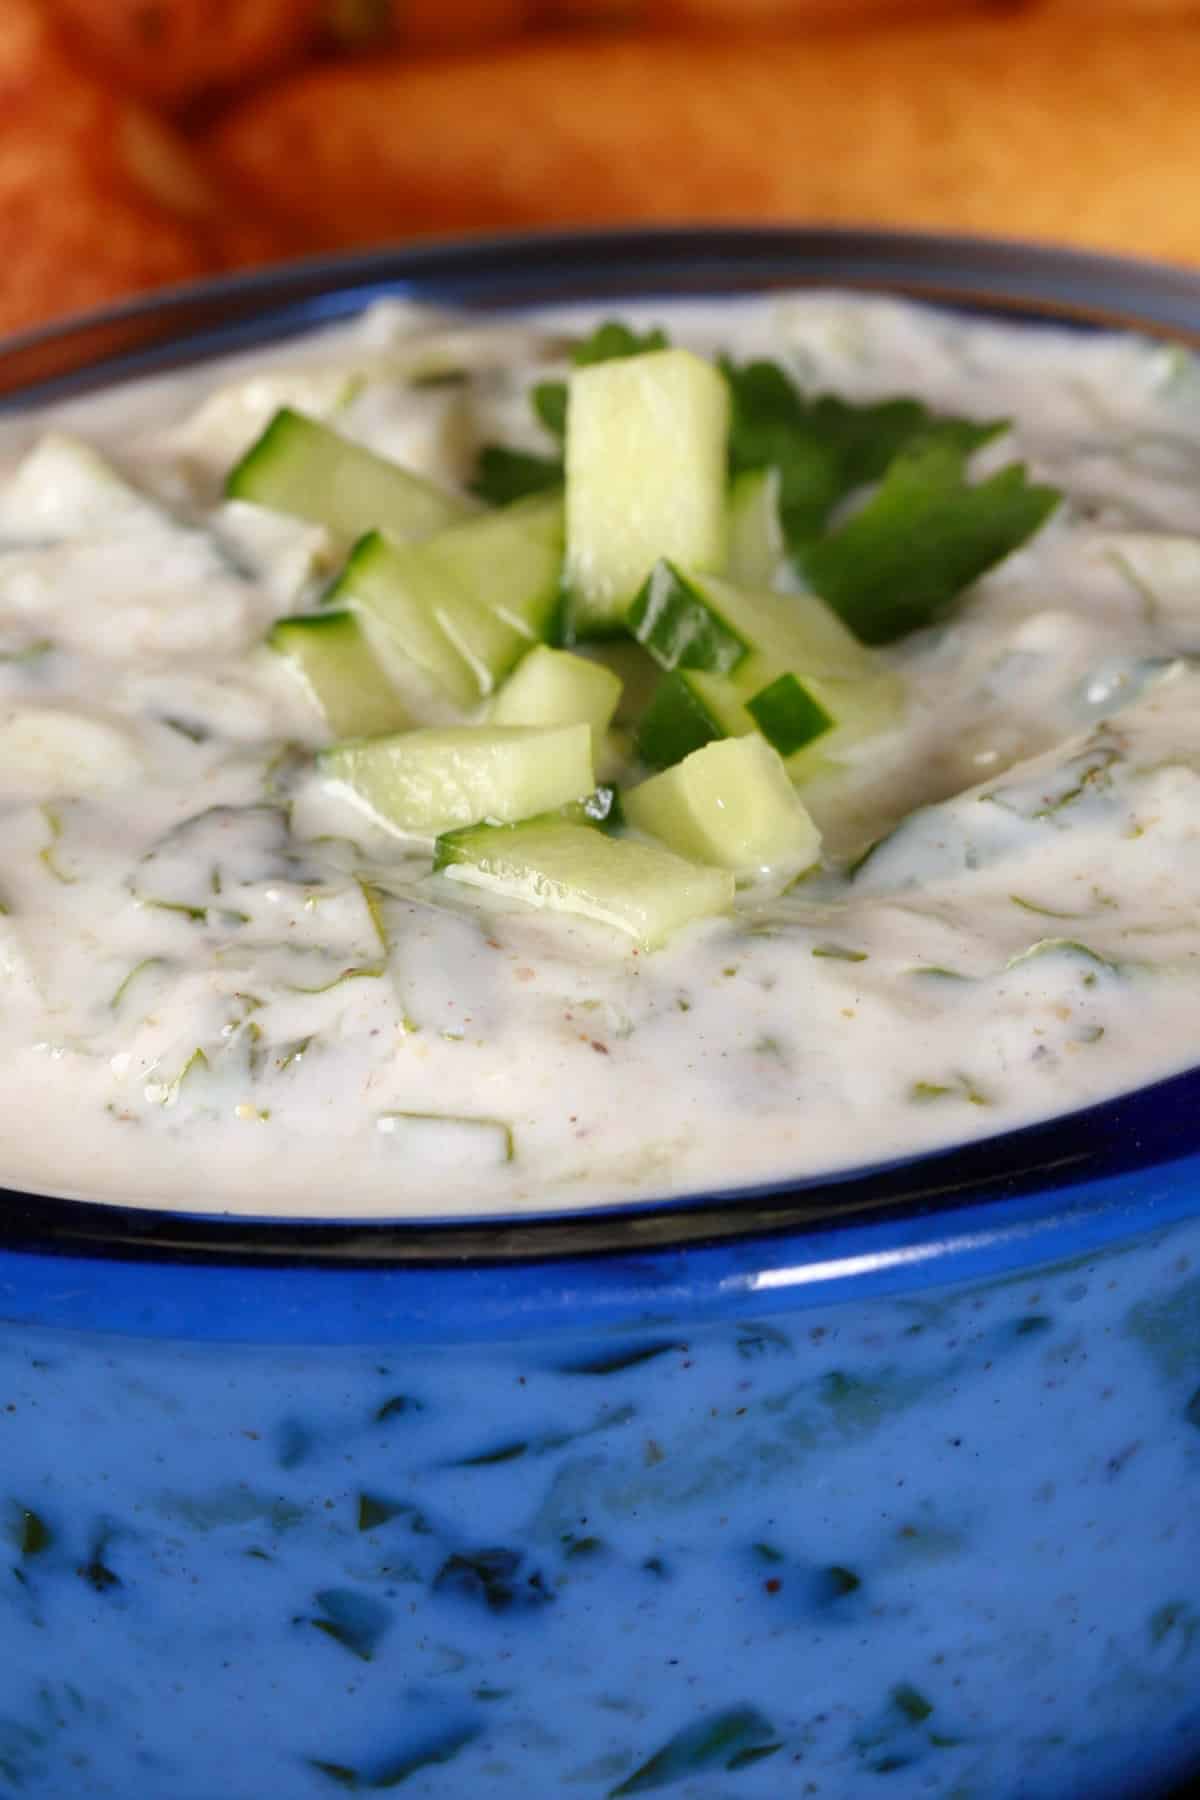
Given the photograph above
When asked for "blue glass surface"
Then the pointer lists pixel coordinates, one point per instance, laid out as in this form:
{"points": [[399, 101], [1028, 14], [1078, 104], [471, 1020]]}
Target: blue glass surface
{"points": [[883, 1481]]}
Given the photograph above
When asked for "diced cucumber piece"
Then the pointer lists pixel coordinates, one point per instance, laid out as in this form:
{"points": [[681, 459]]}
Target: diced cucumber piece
{"points": [[730, 804], [806, 680], [682, 627], [645, 472], [511, 561], [466, 603], [396, 593], [552, 687], [757, 547], [330, 653], [681, 718], [694, 621], [635, 887], [691, 707], [301, 467], [788, 715], [433, 780]]}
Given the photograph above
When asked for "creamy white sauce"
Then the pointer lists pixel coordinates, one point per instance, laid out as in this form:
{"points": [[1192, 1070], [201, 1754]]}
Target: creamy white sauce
{"points": [[220, 988]]}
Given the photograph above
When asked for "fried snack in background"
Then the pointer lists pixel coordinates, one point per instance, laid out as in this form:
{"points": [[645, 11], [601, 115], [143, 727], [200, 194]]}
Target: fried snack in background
{"points": [[458, 21], [170, 51], [753, 14], [1022, 124], [98, 198]]}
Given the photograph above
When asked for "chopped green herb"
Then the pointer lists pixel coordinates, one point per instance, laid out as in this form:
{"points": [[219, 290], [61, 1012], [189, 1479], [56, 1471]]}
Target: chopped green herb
{"points": [[493, 1578], [840, 953], [911, 1702], [903, 559], [718, 1741], [362, 972], [742, 1759], [198, 734], [32, 1534], [28, 652], [398, 1405], [372, 1511], [549, 401], [147, 962], [345, 1776], [1060, 947], [928, 1090], [824, 448], [355, 1621], [503, 476], [613, 1362], [614, 340], [46, 856], [1045, 912]]}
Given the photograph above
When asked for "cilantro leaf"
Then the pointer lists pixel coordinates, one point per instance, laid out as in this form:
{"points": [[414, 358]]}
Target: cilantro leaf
{"points": [[924, 535], [826, 447], [610, 342], [503, 475], [614, 340], [549, 400]]}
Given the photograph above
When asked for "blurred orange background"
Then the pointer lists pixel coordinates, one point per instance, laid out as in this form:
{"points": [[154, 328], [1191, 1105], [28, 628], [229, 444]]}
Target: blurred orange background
{"points": [[145, 142]]}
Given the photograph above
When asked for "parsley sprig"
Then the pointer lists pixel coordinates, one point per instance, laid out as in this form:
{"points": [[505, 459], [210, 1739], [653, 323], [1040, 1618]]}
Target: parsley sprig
{"points": [[901, 560], [503, 475]]}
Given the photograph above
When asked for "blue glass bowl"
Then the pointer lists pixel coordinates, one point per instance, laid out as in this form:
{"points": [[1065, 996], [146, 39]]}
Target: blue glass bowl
{"points": [[890, 1479]]}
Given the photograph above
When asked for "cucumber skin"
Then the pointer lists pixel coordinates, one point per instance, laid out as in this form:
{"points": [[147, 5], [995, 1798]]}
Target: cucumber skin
{"points": [[311, 457], [679, 626], [675, 723], [788, 715]]}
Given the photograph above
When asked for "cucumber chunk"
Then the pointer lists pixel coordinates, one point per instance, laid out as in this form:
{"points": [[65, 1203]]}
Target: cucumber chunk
{"points": [[510, 560], [682, 627], [757, 547], [433, 780], [691, 621], [638, 888], [301, 467], [331, 655], [804, 681], [730, 804], [466, 603], [692, 707], [395, 594], [552, 687], [645, 473], [788, 715]]}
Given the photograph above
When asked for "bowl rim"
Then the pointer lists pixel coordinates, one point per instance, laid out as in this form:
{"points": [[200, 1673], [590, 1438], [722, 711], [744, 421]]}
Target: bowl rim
{"points": [[1049, 1165]]}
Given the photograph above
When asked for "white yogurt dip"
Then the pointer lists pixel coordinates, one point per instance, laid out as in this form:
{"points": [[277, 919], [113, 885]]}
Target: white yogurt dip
{"points": [[221, 987]]}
